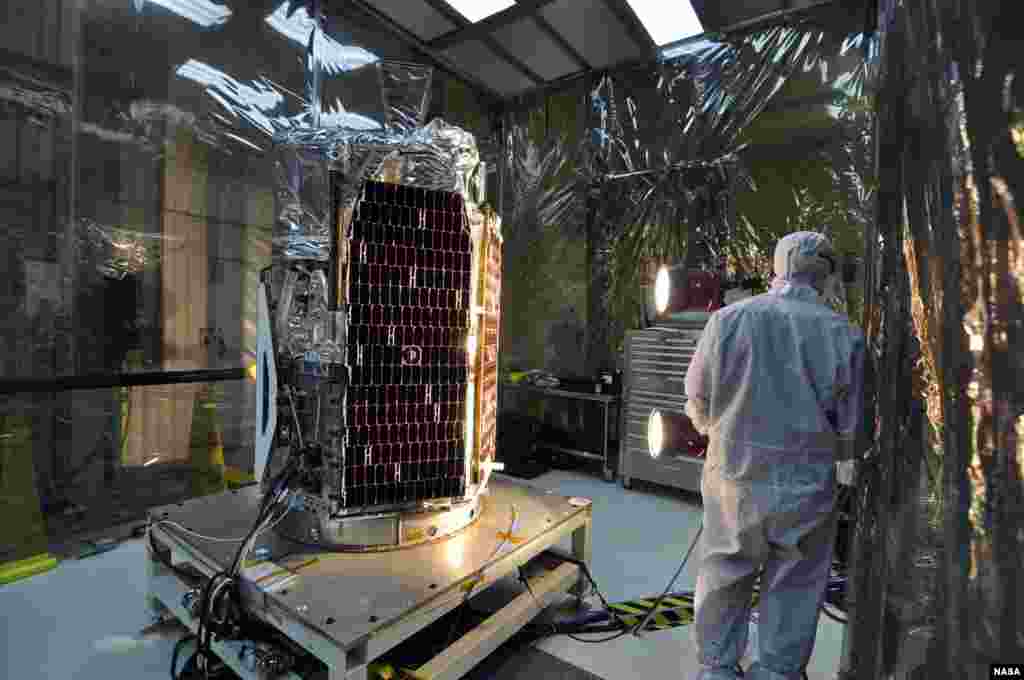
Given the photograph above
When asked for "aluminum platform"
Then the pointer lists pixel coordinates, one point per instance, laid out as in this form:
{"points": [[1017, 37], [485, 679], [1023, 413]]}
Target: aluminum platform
{"points": [[349, 609]]}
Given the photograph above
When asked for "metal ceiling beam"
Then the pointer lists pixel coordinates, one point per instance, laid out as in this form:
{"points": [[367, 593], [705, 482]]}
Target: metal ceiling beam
{"points": [[485, 27], [634, 27], [774, 17], [433, 55], [486, 37], [553, 87], [560, 40]]}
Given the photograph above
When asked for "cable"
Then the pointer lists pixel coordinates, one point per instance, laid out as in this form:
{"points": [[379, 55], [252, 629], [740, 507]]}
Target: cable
{"points": [[224, 583], [657, 604], [197, 534], [215, 539], [220, 609], [616, 636], [597, 591]]}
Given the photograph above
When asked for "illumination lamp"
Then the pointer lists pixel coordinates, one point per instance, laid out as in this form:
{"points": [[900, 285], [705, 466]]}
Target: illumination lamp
{"points": [[674, 432], [678, 290]]}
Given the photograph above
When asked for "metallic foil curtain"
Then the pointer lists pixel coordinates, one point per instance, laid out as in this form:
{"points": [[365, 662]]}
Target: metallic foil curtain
{"points": [[938, 559], [662, 161]]}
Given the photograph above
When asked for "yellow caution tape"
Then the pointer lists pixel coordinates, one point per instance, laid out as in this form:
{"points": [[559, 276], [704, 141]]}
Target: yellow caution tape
{"points": [[673, 611], [15, 571], [505, 536], [661, 621]]}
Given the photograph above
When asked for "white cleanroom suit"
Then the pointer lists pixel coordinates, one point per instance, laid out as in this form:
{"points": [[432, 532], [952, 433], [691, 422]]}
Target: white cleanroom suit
{"points": [[776, 384]]}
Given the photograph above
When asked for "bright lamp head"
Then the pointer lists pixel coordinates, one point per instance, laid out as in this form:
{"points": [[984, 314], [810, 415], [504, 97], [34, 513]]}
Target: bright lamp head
{"points": [[662, 290], [677, 289], [655, 434], [668, 432]]}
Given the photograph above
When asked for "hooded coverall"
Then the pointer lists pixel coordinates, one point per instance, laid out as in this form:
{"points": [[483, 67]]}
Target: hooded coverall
{"points": [[776, 384]]}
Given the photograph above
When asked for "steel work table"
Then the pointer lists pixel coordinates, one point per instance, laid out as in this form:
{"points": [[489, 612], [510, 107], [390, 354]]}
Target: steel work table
{"points": [[349, 609], [607, 401]]}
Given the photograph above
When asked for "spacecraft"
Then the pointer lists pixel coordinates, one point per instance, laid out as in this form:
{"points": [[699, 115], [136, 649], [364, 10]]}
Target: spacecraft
{"points": [[377, 355]]}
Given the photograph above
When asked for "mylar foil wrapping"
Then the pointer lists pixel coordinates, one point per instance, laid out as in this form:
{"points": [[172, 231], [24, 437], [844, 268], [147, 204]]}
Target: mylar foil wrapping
{"points": [[436, 157], [117, 252]]}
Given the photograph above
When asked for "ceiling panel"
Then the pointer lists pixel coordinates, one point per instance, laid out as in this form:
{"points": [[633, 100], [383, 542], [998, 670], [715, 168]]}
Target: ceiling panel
{"points": [[526, 41], [415, 16], [478, 60], [718, 14], [594, 31]]}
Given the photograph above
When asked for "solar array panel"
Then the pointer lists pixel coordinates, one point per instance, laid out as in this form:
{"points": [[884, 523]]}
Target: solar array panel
{"points": [[487, 371], [410, 258]]}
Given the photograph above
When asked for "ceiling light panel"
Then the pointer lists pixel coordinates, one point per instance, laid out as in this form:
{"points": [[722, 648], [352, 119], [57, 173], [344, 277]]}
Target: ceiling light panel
{"points": [[475, 10], [667, 22]]}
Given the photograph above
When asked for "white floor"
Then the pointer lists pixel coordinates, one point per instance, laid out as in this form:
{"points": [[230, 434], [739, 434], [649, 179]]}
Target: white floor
{"points": [[79, 621]]}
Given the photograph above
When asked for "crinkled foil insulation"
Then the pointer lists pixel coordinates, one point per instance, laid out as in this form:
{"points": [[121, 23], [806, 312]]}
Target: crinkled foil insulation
{"points": [[660, 135], [436, 157]]}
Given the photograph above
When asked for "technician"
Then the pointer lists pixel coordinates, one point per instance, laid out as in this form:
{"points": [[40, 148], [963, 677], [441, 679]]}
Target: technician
{"points": [[776, 384]]}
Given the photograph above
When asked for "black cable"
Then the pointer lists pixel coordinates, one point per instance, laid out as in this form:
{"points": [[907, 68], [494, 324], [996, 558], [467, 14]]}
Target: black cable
{"points": [[224, 584], [616, 636], [205, 632], [661, 598], [597, 591], [618, 625]]}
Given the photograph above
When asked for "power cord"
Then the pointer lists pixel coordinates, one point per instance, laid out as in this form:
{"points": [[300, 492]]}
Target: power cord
{"points": [[220, 609], [618, 624], [661, 598]]}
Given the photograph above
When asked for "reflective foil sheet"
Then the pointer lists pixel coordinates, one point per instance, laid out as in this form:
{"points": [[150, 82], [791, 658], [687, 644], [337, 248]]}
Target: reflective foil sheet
{"points": [[437, 157]]}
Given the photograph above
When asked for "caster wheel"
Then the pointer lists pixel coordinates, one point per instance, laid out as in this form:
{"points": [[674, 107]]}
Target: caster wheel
{"points": [[609, 476], [627, 483]]}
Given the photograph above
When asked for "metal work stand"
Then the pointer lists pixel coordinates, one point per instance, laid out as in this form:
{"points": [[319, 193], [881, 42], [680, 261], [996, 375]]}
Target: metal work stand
{"points": [[607, 401], [349, 609]]}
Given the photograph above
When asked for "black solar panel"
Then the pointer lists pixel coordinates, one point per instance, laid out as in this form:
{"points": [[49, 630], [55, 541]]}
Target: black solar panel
{"points": [[487, 400], [410, 267]]}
